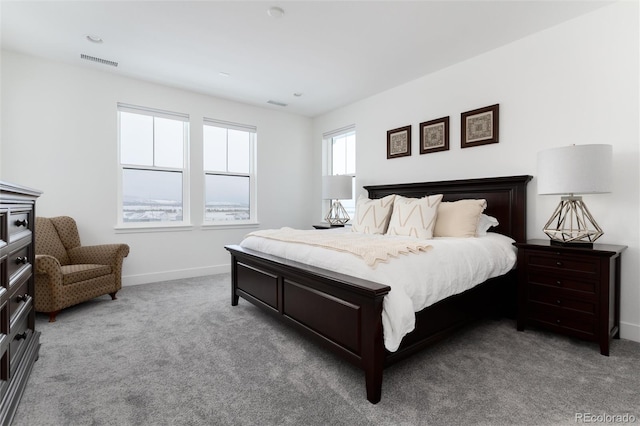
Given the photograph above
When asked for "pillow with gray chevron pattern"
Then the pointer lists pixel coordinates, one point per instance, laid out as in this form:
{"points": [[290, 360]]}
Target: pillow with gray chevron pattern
{"points": [[372, 216], [414, 217]]}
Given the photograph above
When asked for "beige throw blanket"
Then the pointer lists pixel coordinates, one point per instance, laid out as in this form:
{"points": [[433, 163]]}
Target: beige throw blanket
{"points": [[371, 248]]}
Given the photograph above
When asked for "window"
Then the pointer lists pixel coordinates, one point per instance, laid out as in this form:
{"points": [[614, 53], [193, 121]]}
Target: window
{"points": [[153, 151], [229, 172], [341, 159]]}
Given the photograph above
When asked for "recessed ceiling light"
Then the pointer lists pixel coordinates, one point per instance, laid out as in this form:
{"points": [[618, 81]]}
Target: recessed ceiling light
{"points": [[275, 12], [94, 38]]}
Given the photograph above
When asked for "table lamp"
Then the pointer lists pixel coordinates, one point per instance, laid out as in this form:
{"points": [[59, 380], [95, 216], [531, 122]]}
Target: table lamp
{"points": [[571, 170], [336, 188]]}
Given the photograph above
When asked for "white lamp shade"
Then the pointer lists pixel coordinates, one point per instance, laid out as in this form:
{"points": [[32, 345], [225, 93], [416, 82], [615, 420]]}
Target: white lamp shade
{"points": [[576, 169], [337, 187]]}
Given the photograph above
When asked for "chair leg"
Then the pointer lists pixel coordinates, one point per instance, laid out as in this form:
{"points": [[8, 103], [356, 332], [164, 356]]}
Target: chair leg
{"points": [[52, 316], [113, 295]]}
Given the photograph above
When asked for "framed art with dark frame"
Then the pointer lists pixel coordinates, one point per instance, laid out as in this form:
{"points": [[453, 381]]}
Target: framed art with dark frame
{"points": [[434, 135], [479, 126], [399, 142]]}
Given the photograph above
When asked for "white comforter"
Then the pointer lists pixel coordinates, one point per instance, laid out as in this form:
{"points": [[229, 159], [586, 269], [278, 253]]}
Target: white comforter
{"points": [[417, 280]]}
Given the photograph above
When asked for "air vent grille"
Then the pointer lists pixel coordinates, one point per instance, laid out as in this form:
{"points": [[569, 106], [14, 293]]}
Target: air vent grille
{"points": [[282, 104], [98, 60]]}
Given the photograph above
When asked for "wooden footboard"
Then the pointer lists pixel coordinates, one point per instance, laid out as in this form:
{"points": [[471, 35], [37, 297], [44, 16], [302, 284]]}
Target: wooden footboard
{"points": [[342, 313]]}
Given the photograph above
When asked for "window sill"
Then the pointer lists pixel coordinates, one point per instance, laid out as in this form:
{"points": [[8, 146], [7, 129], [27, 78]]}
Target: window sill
{"points": [[134, 229], [213, 226]]}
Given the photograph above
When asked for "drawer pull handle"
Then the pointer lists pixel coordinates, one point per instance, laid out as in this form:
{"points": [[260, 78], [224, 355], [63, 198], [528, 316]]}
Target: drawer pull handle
{"points": [[558, 301], [23, 298], [21, 336], [23, 222], [558, 321], [559, 282], [559, 263], [21, 260]]}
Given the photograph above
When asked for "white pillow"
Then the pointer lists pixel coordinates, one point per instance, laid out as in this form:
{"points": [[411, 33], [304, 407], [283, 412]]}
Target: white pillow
{"points": [[458, 218], [372, 216], [414, 217], [484, 223]]}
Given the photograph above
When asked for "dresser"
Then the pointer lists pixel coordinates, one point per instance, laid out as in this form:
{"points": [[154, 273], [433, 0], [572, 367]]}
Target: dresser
{"points": [[19, 341], [570, 290]]}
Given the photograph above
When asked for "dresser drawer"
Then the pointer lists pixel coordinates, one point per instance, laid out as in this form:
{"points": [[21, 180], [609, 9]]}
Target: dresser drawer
{"points": [[577, 324], [561, 263], [20, 333], [19, 296], [4, 234], [562, 299], [19, 224], [18, 263], [551, 280]]}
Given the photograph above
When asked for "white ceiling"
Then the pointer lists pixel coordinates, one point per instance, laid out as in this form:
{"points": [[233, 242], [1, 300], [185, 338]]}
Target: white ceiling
{"points": [[333, 52]]}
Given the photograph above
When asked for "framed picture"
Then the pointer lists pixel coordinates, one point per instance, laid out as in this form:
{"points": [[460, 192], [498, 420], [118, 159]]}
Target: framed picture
{"points": [[480, 126], [399, 142], [434, 135]]}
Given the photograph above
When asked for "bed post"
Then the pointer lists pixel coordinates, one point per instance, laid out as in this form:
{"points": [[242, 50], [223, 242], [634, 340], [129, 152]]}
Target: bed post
{"points": [[234, 280], [373, 350]]}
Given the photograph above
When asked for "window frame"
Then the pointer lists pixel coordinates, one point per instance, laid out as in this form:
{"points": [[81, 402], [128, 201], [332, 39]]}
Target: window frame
{"points": [[251, 174], [185, 223], [328, 143]]}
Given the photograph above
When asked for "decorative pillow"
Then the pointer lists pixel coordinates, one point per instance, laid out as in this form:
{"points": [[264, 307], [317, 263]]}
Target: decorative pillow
{"points": [[484, 223], [458, 218], [414, 217], [372, 216]]}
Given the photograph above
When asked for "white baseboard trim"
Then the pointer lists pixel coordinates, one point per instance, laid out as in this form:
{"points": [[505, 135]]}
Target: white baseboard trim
{"points": [[128, 280], [630, 331]]}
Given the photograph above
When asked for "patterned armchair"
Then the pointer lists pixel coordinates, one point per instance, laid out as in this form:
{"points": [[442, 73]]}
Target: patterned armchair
{"points": [[68, 273]]}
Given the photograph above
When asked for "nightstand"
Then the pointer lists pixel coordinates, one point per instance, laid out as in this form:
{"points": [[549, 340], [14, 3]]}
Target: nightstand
{"points": [[570, 290], [327, 226]]}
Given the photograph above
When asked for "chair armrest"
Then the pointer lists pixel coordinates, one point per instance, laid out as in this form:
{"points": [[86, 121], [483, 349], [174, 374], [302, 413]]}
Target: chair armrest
{"points": [[103, 254], [49, 265]]}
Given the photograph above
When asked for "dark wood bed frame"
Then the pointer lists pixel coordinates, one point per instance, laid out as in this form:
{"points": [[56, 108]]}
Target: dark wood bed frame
{"points": [[344, 313]]}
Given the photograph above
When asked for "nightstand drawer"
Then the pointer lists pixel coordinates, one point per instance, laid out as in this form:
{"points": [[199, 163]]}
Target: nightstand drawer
{"points": [[540, 278], [564, 263], [560, 320], [559, 299]]}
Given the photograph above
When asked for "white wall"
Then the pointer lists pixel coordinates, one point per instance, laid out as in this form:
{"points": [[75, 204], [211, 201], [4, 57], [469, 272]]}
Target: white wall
{"points": [[576, 83], [59, 135]]}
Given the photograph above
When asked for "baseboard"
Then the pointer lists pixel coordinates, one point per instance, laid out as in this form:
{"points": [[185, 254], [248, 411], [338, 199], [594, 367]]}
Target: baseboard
{"points": [[128, 280], [630, 331]]}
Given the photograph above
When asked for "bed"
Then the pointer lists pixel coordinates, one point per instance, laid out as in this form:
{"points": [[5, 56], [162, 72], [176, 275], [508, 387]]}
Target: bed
{"points": [[344, 313]]}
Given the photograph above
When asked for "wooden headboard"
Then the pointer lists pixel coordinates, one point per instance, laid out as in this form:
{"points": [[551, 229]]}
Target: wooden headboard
{"points": [[506, 198]]}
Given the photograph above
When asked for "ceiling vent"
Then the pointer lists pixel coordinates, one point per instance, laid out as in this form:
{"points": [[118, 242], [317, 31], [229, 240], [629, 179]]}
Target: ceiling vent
{"points": [[98, 60], [282, 104]]}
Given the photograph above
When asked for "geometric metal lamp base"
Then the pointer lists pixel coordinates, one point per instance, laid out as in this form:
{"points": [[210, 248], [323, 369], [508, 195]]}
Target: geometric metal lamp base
{"points": [[572, 224], [337, 215]]}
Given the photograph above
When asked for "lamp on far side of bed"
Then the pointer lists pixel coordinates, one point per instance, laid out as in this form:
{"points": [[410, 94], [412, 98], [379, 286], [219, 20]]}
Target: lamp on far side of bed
{"points": [[571, 170], [336, 188]]}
